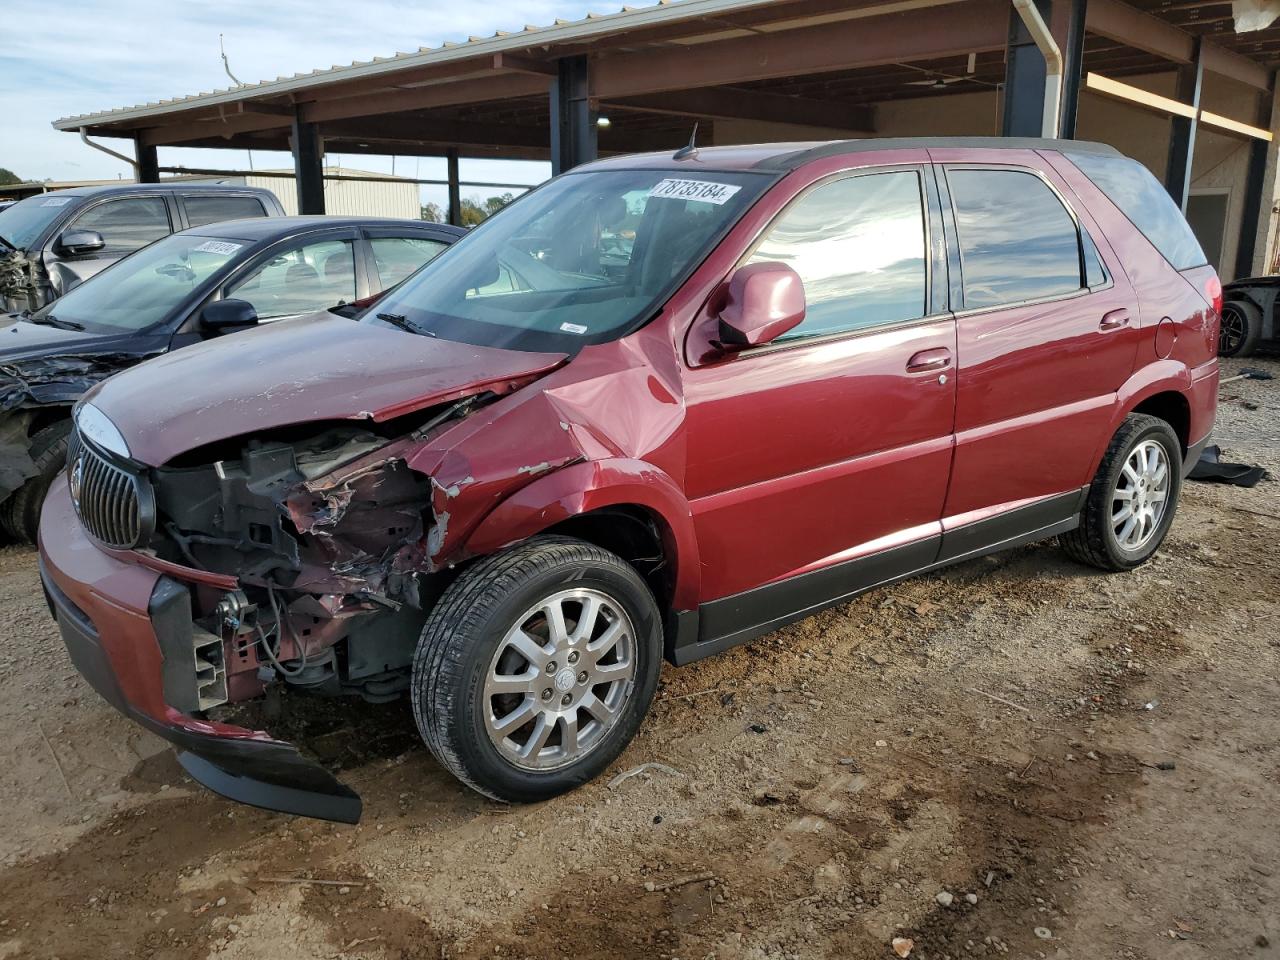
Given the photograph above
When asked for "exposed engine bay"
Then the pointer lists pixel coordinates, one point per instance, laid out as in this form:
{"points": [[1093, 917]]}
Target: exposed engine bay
{"points": [[326, 532]]}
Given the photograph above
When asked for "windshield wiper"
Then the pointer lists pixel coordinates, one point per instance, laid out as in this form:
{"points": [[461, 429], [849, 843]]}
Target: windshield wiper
{"points": [[49, 320], [401, 321]]}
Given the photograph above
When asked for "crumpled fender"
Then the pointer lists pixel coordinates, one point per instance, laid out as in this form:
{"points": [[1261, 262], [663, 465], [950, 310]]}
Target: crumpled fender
{"points": [[583, 487]]}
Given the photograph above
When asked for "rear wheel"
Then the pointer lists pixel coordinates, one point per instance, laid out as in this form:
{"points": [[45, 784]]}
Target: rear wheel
{"points": [[536, 668], [1132, 499], [20, 514], [1240, 330]]}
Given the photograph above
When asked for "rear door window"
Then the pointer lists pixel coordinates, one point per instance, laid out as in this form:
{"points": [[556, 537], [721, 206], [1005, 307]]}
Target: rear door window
{"points": [[1132, 188], [397, 257], [858, 244], [306, 279], [127, 224], [1017, 240], [215, 207]]}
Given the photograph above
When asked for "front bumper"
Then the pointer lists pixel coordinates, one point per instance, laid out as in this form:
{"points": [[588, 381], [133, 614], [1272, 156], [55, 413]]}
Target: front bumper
{"points": [[102, 606]]}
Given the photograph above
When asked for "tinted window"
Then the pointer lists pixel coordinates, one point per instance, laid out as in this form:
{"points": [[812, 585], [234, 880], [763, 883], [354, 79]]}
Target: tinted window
{"points": [[1138, 194], [303, 280], [397, 257], [1017, 241], [211, 209], [859, 246], [127, 224]]}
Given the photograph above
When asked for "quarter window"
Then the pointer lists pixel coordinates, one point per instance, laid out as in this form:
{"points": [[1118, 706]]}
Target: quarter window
{"points": [[859, 246], [303, 280], [127, 224], [1017, 240]]}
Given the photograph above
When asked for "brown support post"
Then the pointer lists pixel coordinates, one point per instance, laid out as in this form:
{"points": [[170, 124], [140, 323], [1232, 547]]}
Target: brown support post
{"points": [[455, 188]]}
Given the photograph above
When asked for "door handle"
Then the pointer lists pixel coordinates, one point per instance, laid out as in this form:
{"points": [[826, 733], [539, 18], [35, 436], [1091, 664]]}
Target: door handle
{"points": [[927, 361], [1115, 320]]}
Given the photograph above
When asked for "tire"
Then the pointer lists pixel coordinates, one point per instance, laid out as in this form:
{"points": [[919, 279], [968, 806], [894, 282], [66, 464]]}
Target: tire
{"points": [[1241, 329], [1097, 541], [20, 514], [469, 677]]}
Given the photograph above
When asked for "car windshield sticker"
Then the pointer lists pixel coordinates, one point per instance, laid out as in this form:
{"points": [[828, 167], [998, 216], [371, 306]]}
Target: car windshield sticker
{"points": [[704, 191], [56, 202], [573, 328], [218, 246]]}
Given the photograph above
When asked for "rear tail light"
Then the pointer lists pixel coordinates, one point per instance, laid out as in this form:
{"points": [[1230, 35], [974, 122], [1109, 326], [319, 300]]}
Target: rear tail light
{"points": [[1213, 291]]}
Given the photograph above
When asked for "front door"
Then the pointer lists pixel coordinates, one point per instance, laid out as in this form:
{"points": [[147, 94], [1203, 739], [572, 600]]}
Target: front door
{"points": [[832, 444]]}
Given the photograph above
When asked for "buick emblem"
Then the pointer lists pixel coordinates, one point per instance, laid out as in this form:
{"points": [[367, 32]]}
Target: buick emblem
{"points": [[73, 480]]}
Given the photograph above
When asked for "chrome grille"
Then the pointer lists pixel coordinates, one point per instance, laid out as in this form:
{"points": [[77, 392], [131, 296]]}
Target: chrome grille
{"points": [[113, 504]]}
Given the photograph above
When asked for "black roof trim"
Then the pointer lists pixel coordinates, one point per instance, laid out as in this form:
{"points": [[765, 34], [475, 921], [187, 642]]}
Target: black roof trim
{"points": [[790, 161], [256, 229]]}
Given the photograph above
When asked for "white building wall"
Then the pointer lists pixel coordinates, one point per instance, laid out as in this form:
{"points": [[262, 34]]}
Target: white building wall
{"points": [[359, 198]]}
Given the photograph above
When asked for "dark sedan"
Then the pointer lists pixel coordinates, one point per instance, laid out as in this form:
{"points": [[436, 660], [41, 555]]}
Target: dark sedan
{"points": [[178, 291]]}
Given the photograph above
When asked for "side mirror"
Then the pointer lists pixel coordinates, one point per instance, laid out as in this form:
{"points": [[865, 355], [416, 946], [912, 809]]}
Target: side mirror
{"points": [[74, 243], [764, 301], [231, 314]]}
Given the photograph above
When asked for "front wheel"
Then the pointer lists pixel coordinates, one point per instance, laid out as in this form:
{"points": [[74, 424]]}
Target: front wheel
{"points": [[1132, 499], [536, 667]]}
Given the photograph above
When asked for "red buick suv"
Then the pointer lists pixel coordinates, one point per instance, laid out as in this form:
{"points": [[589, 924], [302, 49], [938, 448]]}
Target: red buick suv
{"points": [[658, 407]]}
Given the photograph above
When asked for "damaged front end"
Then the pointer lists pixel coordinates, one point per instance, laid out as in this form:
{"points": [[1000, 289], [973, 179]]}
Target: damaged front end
{"points": [[299, 557], [24, 285]]}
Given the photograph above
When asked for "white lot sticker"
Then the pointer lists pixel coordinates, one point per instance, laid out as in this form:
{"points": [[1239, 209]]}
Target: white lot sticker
{"points": [[56, 202], [573, 328], [704, 191], [218, 246]]}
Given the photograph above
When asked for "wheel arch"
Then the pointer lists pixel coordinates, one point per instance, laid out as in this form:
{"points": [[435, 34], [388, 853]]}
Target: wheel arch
{"points": [[625, 506], [1164, 390]]}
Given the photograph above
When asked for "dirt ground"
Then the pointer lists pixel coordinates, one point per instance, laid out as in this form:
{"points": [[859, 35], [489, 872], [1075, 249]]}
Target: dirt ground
{"points": [[1019, 757]]}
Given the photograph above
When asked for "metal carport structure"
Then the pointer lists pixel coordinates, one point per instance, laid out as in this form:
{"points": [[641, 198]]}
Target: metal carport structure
{"points": [[736, 67]]}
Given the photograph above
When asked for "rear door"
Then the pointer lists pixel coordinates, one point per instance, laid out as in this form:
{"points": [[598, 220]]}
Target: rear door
{"points": [[1046, 334], [393, 253], [832, 445]]}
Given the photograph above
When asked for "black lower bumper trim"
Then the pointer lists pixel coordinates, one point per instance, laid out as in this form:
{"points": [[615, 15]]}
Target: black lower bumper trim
{"points": [[263, 773]]}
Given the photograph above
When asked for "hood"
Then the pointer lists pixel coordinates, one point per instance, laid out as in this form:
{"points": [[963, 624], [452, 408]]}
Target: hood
{"points": [[322, 367], [20, 340]]}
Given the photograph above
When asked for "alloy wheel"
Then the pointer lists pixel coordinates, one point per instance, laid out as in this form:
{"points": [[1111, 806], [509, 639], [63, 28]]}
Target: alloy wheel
{"points": [[1141, 495], [559, 680], [1234, 328]]}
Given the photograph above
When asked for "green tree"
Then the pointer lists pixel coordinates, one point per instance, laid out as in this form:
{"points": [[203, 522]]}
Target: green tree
{"points": [[433, 212], [8, 176]]}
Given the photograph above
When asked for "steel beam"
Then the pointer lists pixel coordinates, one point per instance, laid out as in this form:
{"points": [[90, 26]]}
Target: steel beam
{"points": [[147, 163], [1024, 104], [573, 121], [1182, 136], [455, 188], [1256, 194], [721, 103], [308, 165], [1072, 67]]}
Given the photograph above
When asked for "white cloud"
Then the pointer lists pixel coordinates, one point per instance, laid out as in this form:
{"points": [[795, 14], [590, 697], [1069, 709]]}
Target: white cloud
{"points": [[95, 56]]}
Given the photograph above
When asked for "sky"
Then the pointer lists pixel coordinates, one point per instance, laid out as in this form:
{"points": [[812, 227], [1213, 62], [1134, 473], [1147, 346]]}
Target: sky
{"points": [[90, 56]]}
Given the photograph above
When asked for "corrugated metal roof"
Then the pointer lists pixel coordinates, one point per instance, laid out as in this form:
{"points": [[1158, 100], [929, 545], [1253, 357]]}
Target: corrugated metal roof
{"points": [[591, 26]]}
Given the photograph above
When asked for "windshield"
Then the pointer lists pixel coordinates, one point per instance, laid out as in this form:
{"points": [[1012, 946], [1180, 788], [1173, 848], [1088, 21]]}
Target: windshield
{"points": [[21, 223], [144, 288], [584, 259]]}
